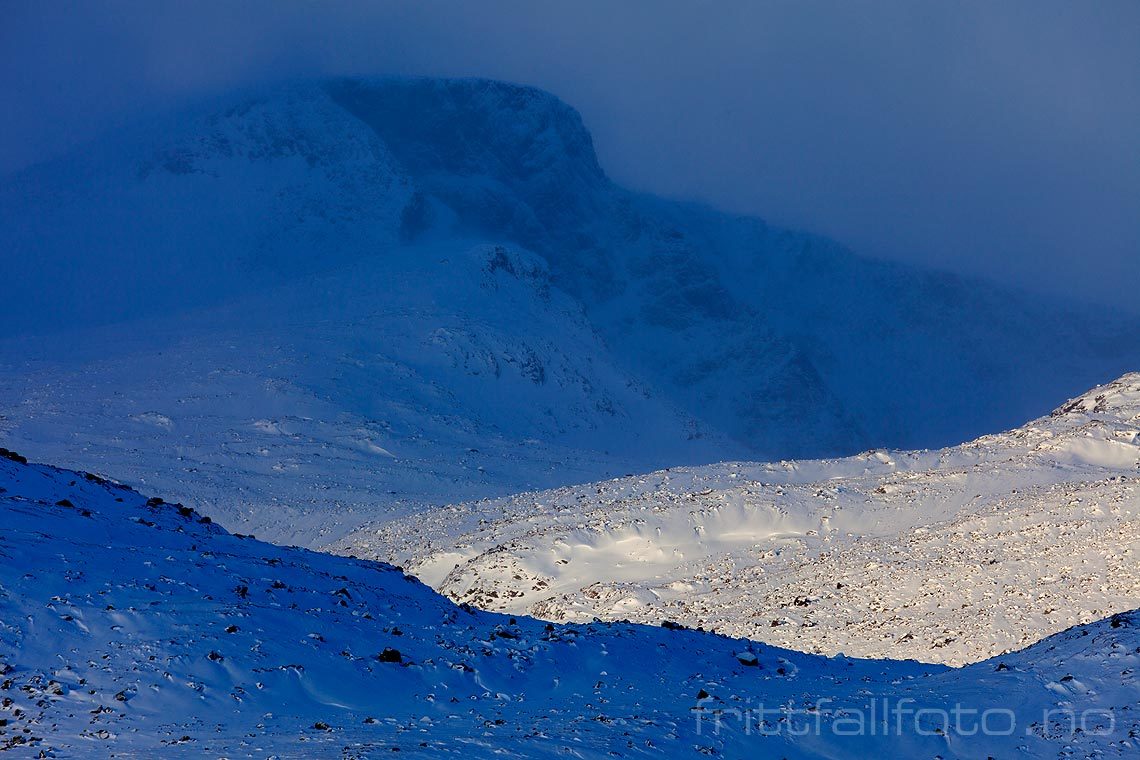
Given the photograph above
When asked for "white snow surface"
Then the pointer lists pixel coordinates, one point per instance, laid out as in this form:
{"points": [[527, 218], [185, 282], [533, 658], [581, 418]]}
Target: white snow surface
{"points": [[949, 556], [302, 411], [320, 303], [132, 628], [420, 307]]}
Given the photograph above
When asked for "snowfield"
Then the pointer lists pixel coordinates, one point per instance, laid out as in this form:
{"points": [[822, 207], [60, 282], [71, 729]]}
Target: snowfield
{"points": [[130, 627], [309, 306], [949, 556], [412, 322], [296, 414]]}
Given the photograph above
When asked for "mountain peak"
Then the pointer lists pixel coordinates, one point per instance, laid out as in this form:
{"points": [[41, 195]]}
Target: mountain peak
{"points": [[505, 158], [789, 346], [472, 126]]}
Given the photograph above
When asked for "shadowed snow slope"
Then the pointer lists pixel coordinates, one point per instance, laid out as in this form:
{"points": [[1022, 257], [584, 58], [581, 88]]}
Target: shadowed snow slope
{"points": [[319, 273], [130, 627], [439, 375], [946, 556]]}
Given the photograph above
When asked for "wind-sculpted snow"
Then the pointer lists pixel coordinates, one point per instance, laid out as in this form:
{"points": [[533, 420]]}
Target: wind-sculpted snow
{"points": [[949, 556], [130, 627], [315, 306]]}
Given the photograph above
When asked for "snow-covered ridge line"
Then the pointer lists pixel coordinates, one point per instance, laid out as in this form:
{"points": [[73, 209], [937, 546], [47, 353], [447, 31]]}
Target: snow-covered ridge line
{"points": [[130, 626], [785, 343], [947, 556]]}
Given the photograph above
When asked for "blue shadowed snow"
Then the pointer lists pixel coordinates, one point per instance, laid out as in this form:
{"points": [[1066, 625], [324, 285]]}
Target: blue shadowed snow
{"points": [[152, 631], [339, 218]]}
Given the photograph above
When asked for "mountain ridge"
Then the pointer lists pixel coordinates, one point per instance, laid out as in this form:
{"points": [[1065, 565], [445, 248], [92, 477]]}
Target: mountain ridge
{"points": [[783, 344], [949, 556]]}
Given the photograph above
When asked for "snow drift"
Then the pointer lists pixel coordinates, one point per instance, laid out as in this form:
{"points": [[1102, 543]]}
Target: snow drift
{"points": [[130, 626]]}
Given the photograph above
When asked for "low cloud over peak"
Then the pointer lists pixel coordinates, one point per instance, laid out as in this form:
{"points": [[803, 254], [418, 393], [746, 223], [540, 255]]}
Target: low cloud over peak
{"points": [[995, 140]]}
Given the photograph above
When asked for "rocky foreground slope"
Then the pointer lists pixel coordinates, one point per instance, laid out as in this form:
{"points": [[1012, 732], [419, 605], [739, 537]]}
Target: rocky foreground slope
{"points": [[130, 627], [949, 556]]}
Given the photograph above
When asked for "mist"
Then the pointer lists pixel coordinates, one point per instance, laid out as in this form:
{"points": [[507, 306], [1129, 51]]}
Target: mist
{"points": [[995, 140]]}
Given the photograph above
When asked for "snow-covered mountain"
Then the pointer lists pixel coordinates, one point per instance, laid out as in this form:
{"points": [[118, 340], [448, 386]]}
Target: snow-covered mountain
{"points": [[949, 556], [384, 294], [130, 627], [443, 374]]}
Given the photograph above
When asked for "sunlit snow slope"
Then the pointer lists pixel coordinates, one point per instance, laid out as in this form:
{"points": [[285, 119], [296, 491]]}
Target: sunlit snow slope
{"points": [[950, 556], [359, 297], [134, 628]]}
